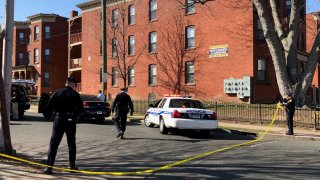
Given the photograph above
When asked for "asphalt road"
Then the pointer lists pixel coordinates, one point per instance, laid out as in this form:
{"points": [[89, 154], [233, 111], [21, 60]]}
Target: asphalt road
{"points": [[274, 157]]}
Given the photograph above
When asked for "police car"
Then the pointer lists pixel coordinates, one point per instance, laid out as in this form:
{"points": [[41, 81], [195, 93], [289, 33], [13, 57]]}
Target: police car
{"points": [[175, 112]]}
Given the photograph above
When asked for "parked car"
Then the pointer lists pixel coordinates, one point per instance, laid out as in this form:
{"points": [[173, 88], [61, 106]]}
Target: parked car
{"points": [[23, 99], [180, 113], [94, 108]]}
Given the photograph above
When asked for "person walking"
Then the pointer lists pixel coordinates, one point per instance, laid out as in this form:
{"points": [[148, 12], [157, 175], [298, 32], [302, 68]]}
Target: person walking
{"points": [[65, 105], [121, 105], [288, 103], [101, 96]]}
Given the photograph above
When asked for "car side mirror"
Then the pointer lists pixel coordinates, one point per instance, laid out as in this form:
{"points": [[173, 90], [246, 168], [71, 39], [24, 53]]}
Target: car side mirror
{"points": [[151, 105]]}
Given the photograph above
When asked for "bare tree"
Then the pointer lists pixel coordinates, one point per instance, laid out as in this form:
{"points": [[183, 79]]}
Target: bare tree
{"points": [[172, 56], [118, 38]]}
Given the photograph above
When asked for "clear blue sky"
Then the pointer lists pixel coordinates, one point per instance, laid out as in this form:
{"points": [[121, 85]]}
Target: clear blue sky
{"points": [[25, 8]]}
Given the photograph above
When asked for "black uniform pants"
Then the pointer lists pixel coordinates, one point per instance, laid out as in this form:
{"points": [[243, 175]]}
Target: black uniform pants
{"points": [[290, 113], [61, 125], [120, 119]]}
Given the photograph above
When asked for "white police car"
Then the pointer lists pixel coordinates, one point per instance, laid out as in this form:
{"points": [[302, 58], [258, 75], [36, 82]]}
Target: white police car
{"points": [[180, 113]]}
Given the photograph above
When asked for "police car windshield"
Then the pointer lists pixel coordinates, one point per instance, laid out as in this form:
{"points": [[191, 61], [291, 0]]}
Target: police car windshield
{"points": [[186, 103]]}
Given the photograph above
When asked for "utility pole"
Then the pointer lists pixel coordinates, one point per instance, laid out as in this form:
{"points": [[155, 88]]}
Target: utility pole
{"points": [[5, 78], [104, 47]]}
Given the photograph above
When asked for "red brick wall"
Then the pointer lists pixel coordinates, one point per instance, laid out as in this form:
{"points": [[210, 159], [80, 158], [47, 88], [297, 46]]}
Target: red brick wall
{"points": [[217, 23]]}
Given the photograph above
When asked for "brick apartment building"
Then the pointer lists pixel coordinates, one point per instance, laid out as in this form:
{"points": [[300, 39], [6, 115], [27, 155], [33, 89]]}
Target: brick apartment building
{"points": [[219, 50], [40, 51]]}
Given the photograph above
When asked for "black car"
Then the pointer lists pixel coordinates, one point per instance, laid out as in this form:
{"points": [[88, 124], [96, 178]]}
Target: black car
{"points": [[22, 98], [94, 108]]}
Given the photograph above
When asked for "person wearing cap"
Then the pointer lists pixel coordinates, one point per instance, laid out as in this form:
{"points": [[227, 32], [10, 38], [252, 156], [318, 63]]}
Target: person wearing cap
{"points": [[65, 105], [288, 103], [121, 105]]}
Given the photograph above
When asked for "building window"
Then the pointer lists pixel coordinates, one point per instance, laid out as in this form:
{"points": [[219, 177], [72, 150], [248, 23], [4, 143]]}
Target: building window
{"points": [[21, 38], [36, 55], [35, 77], [131, 13], [100, 77], [288, 7], [189, 73], [262, 70], [152, 10], [36, 33], [29, 37], [131, 43], [152, 74], [115, 17], [114, 77], [20, 58], [190, 37], [131, 76], [47, 32], [259, 31], [28, 57], [152, 42], [190, 7], [114, 47], [302, 42], [47, 55], [46, 79]]}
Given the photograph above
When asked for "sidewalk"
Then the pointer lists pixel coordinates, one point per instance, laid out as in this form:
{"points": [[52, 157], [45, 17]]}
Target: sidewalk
{"points": [[16, 170]]}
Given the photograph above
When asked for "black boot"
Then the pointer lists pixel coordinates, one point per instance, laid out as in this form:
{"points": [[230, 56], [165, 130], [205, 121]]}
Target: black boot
{"points": [[47, 170]]}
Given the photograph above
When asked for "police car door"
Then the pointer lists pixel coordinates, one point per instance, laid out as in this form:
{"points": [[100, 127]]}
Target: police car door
{"points": [[158, 111]]}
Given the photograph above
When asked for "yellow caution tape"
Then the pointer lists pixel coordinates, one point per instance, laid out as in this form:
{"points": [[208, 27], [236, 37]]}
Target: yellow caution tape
{"points": [[151, 170]]}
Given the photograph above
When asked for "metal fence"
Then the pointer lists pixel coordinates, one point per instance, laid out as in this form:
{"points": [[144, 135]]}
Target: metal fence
{"points": [[252, 113]]}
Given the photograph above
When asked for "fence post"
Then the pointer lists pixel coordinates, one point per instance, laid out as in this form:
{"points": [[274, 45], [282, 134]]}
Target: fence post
{"points": [[260, 114], [216, 107], [315, 121]]}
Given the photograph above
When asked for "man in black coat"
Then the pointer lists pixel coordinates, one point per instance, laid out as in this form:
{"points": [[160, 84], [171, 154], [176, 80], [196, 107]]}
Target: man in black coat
{"points": [[65, 105], [289, 105], [121, 104]]}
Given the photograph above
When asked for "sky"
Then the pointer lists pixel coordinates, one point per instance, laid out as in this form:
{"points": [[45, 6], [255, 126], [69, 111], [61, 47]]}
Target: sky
{"points": [[25, 8]]}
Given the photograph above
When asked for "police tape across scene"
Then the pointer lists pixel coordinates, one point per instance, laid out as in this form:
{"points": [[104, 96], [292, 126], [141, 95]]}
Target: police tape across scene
{"points": [[155, 169]]}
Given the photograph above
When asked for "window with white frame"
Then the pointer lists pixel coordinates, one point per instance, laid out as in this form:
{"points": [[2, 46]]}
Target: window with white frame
{"points": [[29, 37], [131, 76], [47, 55], [114, 47], [131, 44], [152, 74], [152, 42], [115, 17], [189, 72], [36, 33], [47, 32], [20, 58], [35, 77], [21, 38], [36, 55], [46, 79], [190, 7], [262, 70], [132, 12], [114, 77], [190, 37], [152, 10], [28, 57]]}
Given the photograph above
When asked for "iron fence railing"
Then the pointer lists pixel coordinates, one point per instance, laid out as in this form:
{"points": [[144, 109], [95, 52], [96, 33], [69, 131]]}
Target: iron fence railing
{"points": [[252, 113]]}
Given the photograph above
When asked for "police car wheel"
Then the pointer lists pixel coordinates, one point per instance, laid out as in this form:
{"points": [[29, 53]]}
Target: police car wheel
{"points": [[147, 121], [163, 128]]}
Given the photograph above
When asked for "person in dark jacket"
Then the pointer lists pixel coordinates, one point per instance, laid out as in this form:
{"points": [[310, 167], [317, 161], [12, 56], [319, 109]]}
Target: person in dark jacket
{"points": [[65, 105], [121, 105], [288, 103]]}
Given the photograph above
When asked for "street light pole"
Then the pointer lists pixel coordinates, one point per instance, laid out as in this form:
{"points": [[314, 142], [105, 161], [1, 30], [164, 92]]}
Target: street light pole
{"points": [[5, 79], [104, 47]]}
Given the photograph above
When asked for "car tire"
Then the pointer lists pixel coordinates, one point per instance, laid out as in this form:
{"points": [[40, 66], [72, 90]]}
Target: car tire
{"points": [[147, 121], [162, 127], [21, 113]]}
